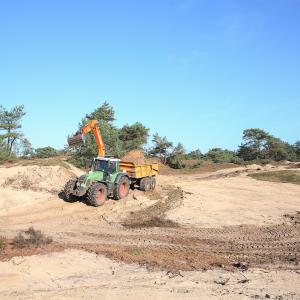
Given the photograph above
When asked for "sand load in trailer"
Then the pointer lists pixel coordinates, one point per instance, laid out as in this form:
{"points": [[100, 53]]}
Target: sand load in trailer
{"points": [[139, 171]]}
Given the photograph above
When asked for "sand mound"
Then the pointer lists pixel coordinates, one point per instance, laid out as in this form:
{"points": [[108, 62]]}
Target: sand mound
{"points": [[39, 178], [254, 167], [136, 156]]}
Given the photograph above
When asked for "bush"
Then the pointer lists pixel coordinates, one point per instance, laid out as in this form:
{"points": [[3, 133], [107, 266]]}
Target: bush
{"points": [[218, 155], [265, 161], [195, 154], [197, 165], [176, 162], [31, 237], [236, 160], [4, 152], [46, 152]]}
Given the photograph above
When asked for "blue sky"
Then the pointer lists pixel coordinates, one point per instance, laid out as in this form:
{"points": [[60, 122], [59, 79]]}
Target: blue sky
{"points": [[198, 72]]}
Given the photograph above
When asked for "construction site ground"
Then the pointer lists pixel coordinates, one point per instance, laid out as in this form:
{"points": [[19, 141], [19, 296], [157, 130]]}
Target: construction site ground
{"points": [[211, 235]]}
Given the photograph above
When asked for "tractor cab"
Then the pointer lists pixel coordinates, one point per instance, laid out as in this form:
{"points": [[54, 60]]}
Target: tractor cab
{"points": [[106, 165]]}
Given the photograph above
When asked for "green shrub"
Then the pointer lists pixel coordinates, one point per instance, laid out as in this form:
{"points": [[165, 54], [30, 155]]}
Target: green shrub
{"points": [[195, 154], [197, 165], [176, 162], [46, 152], [4, 152], [218, 155]]}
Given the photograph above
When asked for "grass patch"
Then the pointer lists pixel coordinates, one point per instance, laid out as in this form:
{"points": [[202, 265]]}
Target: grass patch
{"points": [[135, 251], [31, 237], [286, 176]]}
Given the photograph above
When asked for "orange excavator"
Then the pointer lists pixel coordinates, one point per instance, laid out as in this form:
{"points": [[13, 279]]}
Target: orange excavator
{"points": [[80, 137]]}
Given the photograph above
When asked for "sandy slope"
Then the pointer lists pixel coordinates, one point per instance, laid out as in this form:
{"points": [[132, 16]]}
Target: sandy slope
{"points": [[212, 200], [235, 200]]}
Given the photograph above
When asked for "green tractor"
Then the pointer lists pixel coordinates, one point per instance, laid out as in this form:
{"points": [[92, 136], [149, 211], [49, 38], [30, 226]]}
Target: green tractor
{"points": [[108, 177]]}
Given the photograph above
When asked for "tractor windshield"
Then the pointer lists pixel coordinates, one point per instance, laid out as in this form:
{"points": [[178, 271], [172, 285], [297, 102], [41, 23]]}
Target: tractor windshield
{"points": [[100, 165], [104, 166]]}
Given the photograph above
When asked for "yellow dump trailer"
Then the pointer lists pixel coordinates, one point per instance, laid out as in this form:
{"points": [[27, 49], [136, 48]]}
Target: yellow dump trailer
{"points": [[142, 175], [138, 171]]}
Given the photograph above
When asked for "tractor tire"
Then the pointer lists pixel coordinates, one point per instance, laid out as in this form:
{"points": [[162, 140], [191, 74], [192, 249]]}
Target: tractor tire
{"points": [[68, 190], [145, 184], [121, 189], [97, 194], [153, 183]]}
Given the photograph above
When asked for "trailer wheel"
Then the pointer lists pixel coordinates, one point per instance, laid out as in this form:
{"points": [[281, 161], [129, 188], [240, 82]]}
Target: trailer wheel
{"points": [[97, 194], [145, 184], [121, 189], [153, 183], [68, 190]]}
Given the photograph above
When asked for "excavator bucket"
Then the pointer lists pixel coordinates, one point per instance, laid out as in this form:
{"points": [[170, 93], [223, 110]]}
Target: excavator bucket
{"points": [[76, 140]]}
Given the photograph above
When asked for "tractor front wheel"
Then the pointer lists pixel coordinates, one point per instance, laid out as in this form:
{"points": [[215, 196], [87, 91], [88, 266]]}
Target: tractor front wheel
{"points": [[68, 190], [97, 194]]}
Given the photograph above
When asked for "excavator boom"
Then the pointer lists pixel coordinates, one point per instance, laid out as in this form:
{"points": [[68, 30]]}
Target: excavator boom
{"points": [[79, 138]]}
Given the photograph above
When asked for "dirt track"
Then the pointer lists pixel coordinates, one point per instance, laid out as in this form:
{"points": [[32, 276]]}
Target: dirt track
{"points": [[208, 222]]}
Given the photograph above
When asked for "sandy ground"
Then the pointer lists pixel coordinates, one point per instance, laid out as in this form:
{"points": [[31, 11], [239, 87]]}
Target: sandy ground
{"points": [[233, 200], [223, 217], [77, 274]]}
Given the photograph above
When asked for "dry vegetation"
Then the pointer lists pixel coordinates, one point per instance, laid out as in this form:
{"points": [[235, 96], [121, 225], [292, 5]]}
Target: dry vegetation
{"points": [[31, 238], [26, 243], [154, 215], [2, 242], [286, 176]]}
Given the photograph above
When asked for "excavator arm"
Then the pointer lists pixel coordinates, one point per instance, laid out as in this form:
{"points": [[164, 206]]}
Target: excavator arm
{"points": [[80, 136]]}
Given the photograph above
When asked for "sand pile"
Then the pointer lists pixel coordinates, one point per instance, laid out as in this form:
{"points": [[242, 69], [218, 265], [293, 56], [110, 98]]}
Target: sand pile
{"points": [[136, 156], [37, 178]]}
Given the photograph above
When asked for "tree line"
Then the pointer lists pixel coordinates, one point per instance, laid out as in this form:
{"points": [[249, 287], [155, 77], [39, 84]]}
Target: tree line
{"points": [[13, 143], [257, 145]]}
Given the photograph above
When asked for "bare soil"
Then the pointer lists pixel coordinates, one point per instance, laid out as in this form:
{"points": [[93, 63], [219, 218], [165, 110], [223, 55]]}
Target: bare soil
{"points": [[215, 235]]}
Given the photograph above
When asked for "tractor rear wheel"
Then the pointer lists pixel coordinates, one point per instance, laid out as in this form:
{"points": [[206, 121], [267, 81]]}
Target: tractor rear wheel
{"points": [[97, 194], [68, 190], [153, 183], [121, 189], [145, 184]]}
